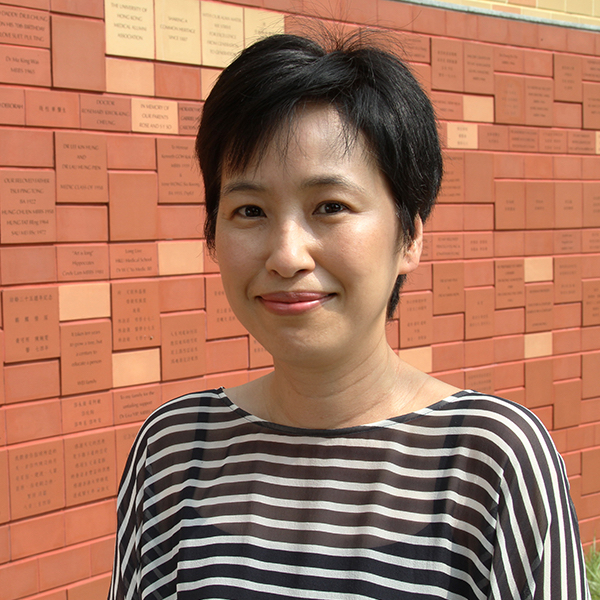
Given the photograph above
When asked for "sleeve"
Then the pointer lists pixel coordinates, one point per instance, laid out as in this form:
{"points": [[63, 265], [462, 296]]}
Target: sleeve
{"points": [[537, 552], [126, 575]]}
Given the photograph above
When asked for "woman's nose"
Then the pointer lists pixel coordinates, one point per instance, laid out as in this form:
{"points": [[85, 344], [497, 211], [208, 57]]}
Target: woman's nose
{"points": [[290, 250]]}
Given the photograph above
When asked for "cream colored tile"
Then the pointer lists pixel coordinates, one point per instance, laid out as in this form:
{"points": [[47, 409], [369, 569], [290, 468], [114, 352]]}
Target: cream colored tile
{"points": [[538, 344], [420, 358], [260, 23], [222, 33], [462, 135], [580, 7], [154, 116], [84, 301], [137, 367], [129, 77], [597, 142], [177, 24], [208, 77], [538, 268], [555, 5], [478, 108], [130, 28], [180, 258]]}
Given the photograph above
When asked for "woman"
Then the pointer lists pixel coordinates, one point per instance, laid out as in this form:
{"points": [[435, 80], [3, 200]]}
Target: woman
{"points": [[344, 473]]}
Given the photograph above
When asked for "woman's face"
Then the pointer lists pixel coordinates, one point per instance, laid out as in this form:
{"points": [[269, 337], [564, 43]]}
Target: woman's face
{"points": [[307, 244]]}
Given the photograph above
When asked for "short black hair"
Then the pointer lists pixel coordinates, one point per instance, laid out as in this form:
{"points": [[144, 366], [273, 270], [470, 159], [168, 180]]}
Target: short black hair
{"points": [[374, 92]]}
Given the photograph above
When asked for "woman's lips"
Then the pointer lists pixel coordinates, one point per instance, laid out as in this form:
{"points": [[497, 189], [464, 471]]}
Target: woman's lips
{"points": [[293, 303]]}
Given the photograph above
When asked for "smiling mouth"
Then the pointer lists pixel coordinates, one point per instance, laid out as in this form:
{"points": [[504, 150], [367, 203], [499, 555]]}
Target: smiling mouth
{"points": [[293, 303]]}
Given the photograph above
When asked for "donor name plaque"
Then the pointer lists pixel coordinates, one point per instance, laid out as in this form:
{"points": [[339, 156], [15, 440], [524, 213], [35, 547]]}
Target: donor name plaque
{"points": [[178, 177], [154, 116], [178, 31], [28, 207], [81, 174], [130, 28], [222, 33]]}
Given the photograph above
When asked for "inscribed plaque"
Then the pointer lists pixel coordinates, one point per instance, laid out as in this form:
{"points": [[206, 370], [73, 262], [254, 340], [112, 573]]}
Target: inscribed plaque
{"points": [[37, 478], [478, 245], [417, 47], [4, 486], [479, 68], [510, 99], [24, 27], [135, 404], [447, 246], [30, 323], [25, 66], [570, 242], [522, 139], [154, 116], [416, 320], [479, 313], [591, 105], [261, 23], [447, 106], [481, 379], [510, 283], [178, 176], [81, 174], [189, 117], [46, 108], [453, 183], [107, 113], [568, 207], [92, 411], [12, 106], [539, 307], [553, 141], [493, 137], [222, 33], [183, 352], [567, 279], [590, 69], [510, 205], [591, 204], [448, 288], [447, 65], [539, 205], [90, 467], [539, 102], [567, 78], [259, 357], [28, 201], [508, 59], [136, 317], [462, 135], [86, 358], [591, 302], [581, 142], [177, 25], [133, 260], [129, 27], [220, 320], [82, 263]]}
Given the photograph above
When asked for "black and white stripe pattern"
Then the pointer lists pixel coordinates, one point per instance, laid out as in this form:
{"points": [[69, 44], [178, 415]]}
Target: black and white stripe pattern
{"points": [[465, 499]]}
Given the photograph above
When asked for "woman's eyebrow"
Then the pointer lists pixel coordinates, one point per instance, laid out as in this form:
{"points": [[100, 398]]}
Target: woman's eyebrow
{"points": [[332, 181], [242, 186]]}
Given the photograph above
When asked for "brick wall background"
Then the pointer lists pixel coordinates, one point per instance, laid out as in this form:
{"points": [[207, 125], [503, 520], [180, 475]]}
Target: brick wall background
{"points": [[111, 305]]}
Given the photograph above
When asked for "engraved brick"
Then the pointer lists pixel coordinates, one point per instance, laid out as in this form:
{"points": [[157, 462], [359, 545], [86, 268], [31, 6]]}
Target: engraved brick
{"points": [[89, 411], [45, 108], [447, 65], [183, 345]]}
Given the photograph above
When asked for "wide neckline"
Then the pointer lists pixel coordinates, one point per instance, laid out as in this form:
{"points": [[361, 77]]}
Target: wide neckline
{"points": [[392, 421]]}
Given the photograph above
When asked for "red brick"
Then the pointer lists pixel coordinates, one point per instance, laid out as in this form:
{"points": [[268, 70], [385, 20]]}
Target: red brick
{"points": [[509, 321], [4, 544], [479, 352], [567, 114], [552, 38], [30, 264], [509, 165], [102, 554], [509, 348], [93, 589], [78, 54], [493, 29], [537, 62], [227, 355], [478, 217], [181, 293], [132, 152], [33, 421], [538, 167], [461, 24], [177, 81], [590, 338], [479, 273], [84, 8], [447, 357], [509, 243], [64, 566], [566, 341], [180, 222], [455, 378], [90, 521], [19, 579], [581, 41], [27, 148], [31, 381], [35, 536], [479, 177], [448, 328], [515, 395], [567, 315], [429, 20], [567, 403], [573, 463], [510, 375], [81, 223], [567, 167], [590, 367], [590, 410], [544, 414], [590, 471], [566, 367], [538, 243], [395, 15]]}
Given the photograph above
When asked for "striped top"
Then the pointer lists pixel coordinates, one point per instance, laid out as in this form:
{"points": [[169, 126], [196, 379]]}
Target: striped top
{"points": [[466, 499]]}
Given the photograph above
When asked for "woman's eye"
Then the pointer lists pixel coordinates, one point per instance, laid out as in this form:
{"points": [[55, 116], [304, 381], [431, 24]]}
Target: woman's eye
{"points": [[250, 211], [330, 208]]}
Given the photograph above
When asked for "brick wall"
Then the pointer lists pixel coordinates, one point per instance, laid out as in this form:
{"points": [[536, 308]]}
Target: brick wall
{"points": [[111, 305]]}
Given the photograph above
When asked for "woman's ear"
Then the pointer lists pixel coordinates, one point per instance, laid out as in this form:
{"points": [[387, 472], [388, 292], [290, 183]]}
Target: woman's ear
{"points": [[410, 257]]}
